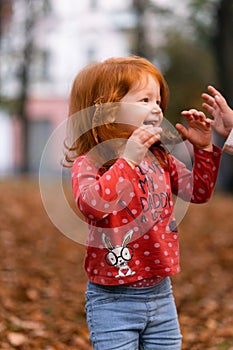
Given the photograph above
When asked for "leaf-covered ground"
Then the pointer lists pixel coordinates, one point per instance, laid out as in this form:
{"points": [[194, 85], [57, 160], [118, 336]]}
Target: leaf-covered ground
{"points": [[42, 282]]}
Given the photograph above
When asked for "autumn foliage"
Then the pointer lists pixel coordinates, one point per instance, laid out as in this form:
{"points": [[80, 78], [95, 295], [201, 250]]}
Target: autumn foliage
{"points": [[42, 282]]}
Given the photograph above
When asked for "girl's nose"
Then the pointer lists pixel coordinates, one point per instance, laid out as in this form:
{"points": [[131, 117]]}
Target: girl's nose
{"points": [[156, 108]]}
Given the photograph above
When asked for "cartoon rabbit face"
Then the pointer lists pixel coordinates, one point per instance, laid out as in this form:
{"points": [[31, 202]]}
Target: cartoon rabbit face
{"points": [[119, 255]]}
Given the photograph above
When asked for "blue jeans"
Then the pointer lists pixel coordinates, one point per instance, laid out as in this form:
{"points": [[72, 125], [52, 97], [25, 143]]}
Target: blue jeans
{"points": [[128, 318]]}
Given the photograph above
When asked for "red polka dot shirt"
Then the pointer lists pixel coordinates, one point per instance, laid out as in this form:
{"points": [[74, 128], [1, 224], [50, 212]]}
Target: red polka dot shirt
{"points": [[133, 232]]}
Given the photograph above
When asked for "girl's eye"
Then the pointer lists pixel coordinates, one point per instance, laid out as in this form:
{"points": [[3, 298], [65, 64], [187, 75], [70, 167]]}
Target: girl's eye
{"points": [[145, 99]]}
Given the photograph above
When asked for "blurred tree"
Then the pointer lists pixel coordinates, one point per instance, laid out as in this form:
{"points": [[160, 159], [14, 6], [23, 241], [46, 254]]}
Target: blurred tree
{"points": [[18, 50]]}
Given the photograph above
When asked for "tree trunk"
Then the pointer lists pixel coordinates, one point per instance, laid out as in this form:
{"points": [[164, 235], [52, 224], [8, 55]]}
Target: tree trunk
{"points": [[224, 47], [224, 54]]}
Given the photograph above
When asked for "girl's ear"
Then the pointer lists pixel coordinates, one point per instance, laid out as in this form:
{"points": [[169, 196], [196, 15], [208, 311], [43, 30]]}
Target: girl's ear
{"points": [[107, 242]]}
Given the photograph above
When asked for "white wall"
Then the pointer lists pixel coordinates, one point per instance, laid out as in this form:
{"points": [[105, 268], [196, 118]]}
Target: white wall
{"points": [[6, 144]]}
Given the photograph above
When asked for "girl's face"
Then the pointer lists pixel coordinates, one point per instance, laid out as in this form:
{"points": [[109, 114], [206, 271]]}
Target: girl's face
{"points": [[145, 94]]}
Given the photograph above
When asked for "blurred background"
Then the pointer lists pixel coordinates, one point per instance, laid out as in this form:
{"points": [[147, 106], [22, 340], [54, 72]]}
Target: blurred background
{"points": [[43, 45]]}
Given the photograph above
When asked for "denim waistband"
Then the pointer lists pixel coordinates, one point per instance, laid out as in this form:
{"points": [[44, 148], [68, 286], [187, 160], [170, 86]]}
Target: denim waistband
{"points": [[157, 288]]}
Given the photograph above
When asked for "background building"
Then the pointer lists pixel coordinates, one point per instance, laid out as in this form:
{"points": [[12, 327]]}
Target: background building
{"points": [[51, 41]]}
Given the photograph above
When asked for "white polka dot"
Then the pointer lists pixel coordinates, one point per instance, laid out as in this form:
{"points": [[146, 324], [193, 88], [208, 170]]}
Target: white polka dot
{"points": [[165, 253], [147, 268], [156, 245], [134, 211], [91, 217], [167, 269], [205, 176], [89, 168], [200, 190], [124, 221], [169, 245], [199, 165], [106, 206], [121, 282], [132, 194], [175, 236], [121, 166], [136, 245], [116, 229], [97, 187], [140, 278], [146, 253], [214, 168], [93, 202], [146, 236], [95, 272], [108, 177], [163, 236], [137, 262], [157, 261], [109, 274], [107, 191], [94, 255], [121, 179], [155, 228]]}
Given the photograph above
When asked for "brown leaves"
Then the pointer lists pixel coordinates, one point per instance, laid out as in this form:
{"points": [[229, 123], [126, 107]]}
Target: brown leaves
{"points": [[43, 282]]}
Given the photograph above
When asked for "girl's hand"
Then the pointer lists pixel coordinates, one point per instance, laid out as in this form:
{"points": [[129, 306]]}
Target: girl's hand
{"points": [[139, 142], [199, 130], [217, 106]]}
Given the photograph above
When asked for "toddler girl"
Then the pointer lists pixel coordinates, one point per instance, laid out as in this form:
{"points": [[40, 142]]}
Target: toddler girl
{"points": [[123, 181]]}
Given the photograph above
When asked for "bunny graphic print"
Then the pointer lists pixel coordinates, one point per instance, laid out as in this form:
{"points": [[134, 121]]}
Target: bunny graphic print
{"points": [[119, 256], [130, 213]]}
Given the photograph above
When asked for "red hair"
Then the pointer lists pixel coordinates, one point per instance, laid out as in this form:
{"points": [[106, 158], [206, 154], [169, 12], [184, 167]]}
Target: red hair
{"points": [[102, 83]]}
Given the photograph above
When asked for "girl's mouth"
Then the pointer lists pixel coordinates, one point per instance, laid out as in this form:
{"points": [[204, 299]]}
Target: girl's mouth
{"points": [[151, 122]]}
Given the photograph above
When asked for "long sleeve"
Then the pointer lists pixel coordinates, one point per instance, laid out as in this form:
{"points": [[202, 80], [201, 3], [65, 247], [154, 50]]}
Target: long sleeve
{"points": [[98, 194], [197, 185]]}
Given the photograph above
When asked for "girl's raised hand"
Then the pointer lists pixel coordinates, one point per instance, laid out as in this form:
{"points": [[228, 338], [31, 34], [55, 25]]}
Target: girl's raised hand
{"points": [[198, 131], [216, 105], [139, 142]]}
